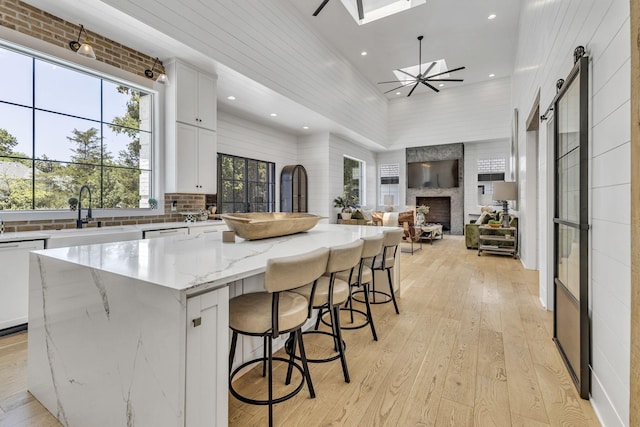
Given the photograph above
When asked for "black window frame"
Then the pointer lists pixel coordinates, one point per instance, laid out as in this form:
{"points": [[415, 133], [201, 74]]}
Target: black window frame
{"points": [[246, 204]]}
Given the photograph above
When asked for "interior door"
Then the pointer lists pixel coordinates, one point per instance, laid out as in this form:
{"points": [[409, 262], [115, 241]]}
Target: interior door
{"points": [[571, 228]]}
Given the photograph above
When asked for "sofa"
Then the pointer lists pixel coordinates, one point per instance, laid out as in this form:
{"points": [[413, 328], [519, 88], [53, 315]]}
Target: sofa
{"points": [[472, 231]]}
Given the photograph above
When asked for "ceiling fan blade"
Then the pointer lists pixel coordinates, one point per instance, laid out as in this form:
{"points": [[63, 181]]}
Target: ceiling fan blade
{"points": [[395, 88], [412, 76], [432, 87], [443, 80], [360, 10], [414, 88], [445, 72], [319, 9], [433, 64], [397, 81]]}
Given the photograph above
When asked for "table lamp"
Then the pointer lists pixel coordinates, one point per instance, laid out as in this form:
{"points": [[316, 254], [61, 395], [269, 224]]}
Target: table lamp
{"points": [[502, 193]]}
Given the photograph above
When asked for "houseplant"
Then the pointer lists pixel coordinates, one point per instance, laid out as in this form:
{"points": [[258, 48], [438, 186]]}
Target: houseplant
{"points": [[73, 203], [346, 203], [421, 212], [153, 203]]}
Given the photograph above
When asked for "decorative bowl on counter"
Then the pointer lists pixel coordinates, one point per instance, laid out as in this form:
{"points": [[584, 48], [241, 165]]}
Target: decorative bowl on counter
{"points": [[262, 225]]}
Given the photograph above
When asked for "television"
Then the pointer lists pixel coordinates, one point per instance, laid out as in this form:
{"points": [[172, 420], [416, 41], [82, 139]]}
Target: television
{"points": [[433, 174]]}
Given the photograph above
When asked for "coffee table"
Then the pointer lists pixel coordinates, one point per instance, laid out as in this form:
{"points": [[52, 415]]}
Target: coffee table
{"points": [[430, 231]]}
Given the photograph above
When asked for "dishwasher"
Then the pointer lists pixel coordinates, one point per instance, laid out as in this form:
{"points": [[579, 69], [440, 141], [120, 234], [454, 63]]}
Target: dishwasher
{"points": [[14, 285]]}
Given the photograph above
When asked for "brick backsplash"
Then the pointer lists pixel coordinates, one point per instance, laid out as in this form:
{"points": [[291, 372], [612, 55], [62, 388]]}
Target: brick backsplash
{"points": [[39, 24], [185, 203]]}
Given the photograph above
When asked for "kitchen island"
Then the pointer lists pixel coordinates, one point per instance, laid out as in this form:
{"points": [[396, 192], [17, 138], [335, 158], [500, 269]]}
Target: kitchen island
{"points": [[136, 333]]}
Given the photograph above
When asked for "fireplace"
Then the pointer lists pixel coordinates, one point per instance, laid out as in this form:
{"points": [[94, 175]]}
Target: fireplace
{"points": [[439, 210]]}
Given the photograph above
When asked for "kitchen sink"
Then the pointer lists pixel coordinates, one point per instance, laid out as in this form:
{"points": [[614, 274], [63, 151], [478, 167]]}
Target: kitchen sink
{"points": [[87, 236]]}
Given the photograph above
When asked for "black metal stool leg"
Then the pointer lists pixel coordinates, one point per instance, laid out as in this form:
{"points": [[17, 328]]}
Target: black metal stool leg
{"points": [[270, 363], [393, 294], [264, 356], [338, 333], [369, 316], [305, 365], [292, 337], [232, 351]]}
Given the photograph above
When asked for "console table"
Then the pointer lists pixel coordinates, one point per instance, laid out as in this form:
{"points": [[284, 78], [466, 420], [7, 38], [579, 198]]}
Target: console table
{"points": [[501, 244]]}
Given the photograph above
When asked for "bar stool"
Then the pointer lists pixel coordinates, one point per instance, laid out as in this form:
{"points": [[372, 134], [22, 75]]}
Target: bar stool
{"points": [[276, 311], [329, 293], [385, 262], [362, 278]]}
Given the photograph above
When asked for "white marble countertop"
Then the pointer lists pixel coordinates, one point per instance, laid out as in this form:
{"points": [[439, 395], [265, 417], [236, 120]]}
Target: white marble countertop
{"points": [[46, 234], [195, 263]]}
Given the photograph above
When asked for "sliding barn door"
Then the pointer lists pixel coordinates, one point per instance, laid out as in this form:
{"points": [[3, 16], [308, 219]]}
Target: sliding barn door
{"points": [[571, 285]]}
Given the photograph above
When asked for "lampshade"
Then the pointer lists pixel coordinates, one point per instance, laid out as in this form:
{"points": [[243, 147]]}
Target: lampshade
{"points": [[162, 78], [83, 49], [505, 191], [86, 50], [388, 200]]}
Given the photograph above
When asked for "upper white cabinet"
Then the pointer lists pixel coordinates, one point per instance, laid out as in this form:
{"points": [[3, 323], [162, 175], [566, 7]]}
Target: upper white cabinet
{"points": [[195, 97], [191, 144]]}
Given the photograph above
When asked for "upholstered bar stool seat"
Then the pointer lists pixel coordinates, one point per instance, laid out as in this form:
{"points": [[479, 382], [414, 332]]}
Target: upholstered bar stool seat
{"points": [[384, 262], [362, 277], [274, 312], [328, 293], [251, 313]]}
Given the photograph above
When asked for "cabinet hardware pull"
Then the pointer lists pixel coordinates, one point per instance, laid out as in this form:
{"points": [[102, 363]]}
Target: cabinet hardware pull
{"points": [[168, 231], [197, 322]]}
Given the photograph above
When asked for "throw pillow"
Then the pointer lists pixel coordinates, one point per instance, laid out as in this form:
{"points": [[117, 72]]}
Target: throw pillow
{"points": [[357, 214], [488, 217], [481, 217]]}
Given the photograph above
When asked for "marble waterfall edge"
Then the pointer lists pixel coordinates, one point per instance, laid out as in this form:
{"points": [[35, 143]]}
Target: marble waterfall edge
{"points": [[103, 349]]}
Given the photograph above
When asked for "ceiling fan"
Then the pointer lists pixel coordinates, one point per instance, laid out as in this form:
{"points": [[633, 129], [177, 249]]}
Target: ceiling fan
{"points": [[423, 78], [324, 3]]}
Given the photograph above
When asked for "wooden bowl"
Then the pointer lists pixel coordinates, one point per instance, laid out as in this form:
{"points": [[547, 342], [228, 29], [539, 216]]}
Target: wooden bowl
{"points": [[495, 225], [262, 225]]}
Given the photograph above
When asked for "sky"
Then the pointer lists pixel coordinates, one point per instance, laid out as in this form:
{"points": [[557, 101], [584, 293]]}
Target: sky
{"points": [[63, 90]]}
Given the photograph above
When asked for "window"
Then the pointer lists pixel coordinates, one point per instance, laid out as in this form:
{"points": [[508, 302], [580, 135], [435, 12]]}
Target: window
{"points": [[246, 185], [489, 170], [61, 128], [389, 184], [354, 179]]}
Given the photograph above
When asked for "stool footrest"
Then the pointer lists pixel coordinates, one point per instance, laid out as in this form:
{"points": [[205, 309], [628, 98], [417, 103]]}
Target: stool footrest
{"points": [[372, 300], [261, 401]]}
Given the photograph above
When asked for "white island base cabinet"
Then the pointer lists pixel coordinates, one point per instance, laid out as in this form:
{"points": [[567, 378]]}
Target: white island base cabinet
{"points": [[207, 366], [109, 350]]}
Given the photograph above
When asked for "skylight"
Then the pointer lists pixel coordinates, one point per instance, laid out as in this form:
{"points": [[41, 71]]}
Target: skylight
{"points": [[378, 9], [441, 65]]}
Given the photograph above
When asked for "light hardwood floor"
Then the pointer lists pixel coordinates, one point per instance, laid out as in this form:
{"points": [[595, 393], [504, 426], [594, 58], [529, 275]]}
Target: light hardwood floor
{"points": [[471, 347]]}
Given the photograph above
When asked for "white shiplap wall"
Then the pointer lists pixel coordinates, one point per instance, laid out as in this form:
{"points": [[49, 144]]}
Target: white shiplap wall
{"points": [[313, 154], [340, 147], [241, 137], [549, 31], [473, 152], [476, 112], [269, 42]]}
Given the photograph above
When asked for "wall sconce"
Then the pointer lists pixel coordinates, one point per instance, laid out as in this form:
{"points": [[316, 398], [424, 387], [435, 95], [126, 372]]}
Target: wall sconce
{"points": [[83, 49], [162, 77]]}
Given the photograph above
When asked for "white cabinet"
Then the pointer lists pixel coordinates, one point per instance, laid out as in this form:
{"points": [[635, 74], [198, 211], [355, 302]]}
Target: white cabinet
{"points": [[195, 97], [152, 234], [14, 286], [206, 400], [191, 144], [195, 159]]}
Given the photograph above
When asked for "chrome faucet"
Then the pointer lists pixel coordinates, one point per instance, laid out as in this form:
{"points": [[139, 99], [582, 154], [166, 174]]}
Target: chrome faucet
{"points": [[81, 221]]}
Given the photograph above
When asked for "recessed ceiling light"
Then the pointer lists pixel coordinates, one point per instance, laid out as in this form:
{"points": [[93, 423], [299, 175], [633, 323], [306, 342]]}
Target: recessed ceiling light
{"points": [[441, 85], [397, 93], [492, 75], [305, 127], [231, 98], [492, 16], [273, 115], [363, 53]]}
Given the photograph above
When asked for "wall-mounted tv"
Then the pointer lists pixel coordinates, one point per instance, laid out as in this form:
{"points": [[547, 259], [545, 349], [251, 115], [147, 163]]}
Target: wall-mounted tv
{"points": [[434, 174]]}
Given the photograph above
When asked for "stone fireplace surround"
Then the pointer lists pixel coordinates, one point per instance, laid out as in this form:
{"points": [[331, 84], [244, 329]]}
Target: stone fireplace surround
{"points": [[456, 194]]}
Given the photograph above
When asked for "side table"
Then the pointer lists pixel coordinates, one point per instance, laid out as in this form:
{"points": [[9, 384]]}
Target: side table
{"points": [[503, 243]]}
